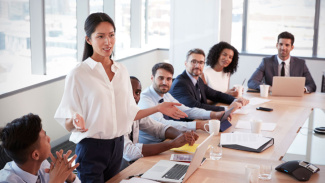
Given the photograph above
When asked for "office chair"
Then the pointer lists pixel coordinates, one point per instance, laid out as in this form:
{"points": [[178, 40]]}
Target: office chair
{"points": [[4, 158]]}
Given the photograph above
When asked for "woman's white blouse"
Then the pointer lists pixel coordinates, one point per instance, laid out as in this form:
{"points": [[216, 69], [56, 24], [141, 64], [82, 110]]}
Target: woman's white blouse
{"points": [[217, 80], [108, 107]]}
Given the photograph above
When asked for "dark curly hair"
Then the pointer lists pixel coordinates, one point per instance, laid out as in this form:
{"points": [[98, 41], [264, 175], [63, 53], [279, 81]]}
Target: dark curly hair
{"points": [[214, 55]]}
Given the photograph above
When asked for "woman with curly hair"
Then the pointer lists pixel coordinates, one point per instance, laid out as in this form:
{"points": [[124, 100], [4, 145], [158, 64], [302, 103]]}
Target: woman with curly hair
{"points": [[222, 61]]}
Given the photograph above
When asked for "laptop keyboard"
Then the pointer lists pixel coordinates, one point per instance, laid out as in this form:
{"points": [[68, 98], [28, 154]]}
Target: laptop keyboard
{"points": [[176, 172]]}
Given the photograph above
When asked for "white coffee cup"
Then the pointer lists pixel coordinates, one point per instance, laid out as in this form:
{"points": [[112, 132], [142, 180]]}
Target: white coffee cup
{"points": [[239, 88], [214, 127], [256, 126], [264, 90]]}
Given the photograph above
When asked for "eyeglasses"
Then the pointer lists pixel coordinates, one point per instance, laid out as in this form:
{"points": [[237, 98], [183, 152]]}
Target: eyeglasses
{"points": [[194, 62]]}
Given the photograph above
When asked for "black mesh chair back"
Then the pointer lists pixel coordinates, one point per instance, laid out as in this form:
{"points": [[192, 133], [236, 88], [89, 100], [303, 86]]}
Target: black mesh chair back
{"points": [[4, 158]]}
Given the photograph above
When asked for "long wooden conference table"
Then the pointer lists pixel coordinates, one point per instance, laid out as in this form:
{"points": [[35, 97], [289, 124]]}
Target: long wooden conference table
{"points": [[289, 114]]}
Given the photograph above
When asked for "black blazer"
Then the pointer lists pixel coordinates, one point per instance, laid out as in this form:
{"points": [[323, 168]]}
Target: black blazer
{"points": [[184, 91]]}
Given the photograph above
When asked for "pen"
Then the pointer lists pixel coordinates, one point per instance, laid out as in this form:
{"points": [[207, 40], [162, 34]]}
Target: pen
{"points": [[244, 82], [193, 140], [138, 175]]}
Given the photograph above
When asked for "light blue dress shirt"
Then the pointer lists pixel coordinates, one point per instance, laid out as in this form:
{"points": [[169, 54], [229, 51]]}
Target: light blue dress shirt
{"points": [[12, 173], [150, 98]]}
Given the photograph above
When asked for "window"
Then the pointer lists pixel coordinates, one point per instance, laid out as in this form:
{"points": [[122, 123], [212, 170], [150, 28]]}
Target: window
{"points": [[61, 36], [157, 23], [266, 19], [122, 24], [237, 24], [95, 6], [19, 58], [321, 35], [15, 62]]}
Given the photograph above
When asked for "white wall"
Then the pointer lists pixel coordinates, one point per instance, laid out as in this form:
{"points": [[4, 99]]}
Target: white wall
{"points": [[194, 24], [140, 66], [44, 100]]}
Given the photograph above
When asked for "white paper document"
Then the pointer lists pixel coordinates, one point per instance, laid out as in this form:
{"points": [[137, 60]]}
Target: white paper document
{"points": [[247, 125], [243, 110], [250, 140], [256, 101], [138, 180]]}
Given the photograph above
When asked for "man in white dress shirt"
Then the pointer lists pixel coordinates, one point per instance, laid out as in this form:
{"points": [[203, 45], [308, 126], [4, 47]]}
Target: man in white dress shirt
{"points": [[27, 144], [162, 75], [134, 150]]}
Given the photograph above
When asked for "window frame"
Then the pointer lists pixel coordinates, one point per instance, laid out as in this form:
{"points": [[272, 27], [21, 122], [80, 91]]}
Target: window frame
{"points": [[38, 37], [315, 37]]}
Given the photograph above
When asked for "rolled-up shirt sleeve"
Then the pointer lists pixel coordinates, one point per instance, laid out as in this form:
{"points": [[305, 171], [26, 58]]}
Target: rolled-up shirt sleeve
{"points": [[146, 102], [131, 151]]}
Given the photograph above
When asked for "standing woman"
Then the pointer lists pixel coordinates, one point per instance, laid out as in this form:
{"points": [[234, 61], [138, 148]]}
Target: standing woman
{"points": [[98, 104], [222, 61]]}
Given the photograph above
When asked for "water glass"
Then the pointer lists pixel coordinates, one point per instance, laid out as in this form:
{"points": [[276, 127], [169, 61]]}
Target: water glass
{"points": [[265, 172], [216, 152], [252, 173]]}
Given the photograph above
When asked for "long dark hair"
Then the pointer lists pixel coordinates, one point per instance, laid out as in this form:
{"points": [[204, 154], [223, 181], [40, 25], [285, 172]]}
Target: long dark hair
{"points": [[214, 55], [92, 21]]}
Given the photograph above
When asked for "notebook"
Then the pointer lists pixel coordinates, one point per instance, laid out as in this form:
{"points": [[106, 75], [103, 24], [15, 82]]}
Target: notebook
{"points": [[288, 86], [171, 171]]}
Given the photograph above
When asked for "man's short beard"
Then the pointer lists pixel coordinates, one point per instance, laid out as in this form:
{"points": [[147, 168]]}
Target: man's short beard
{"points": [[159, 91]]}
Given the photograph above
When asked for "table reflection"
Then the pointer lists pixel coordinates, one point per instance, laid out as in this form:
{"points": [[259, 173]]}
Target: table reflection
{"points": [[308, 145]]}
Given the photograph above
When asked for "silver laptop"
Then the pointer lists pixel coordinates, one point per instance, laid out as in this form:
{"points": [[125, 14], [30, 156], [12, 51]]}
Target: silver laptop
{"points": [[288, 86], [172, 171]]}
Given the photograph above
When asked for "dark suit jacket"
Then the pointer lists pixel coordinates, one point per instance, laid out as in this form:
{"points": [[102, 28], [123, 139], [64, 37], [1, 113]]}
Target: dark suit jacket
{"points": [[184, 91], [269, 68]]}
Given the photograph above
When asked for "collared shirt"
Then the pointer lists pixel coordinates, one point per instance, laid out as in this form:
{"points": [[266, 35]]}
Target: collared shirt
{"points": [[108, 107], [286, 66], [12, 173], [150, 98], [194, 81], [133, 149]]}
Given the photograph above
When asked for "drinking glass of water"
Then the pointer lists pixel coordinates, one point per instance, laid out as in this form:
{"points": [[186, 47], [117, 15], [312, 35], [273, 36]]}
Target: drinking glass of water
{"points": [[265, 171], [215, 152]]}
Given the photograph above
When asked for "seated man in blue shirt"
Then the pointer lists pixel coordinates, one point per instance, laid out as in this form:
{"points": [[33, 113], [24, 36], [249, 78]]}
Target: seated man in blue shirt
{"points": [[282, 64], [27, 144], [162, 75], [134, 150]]}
